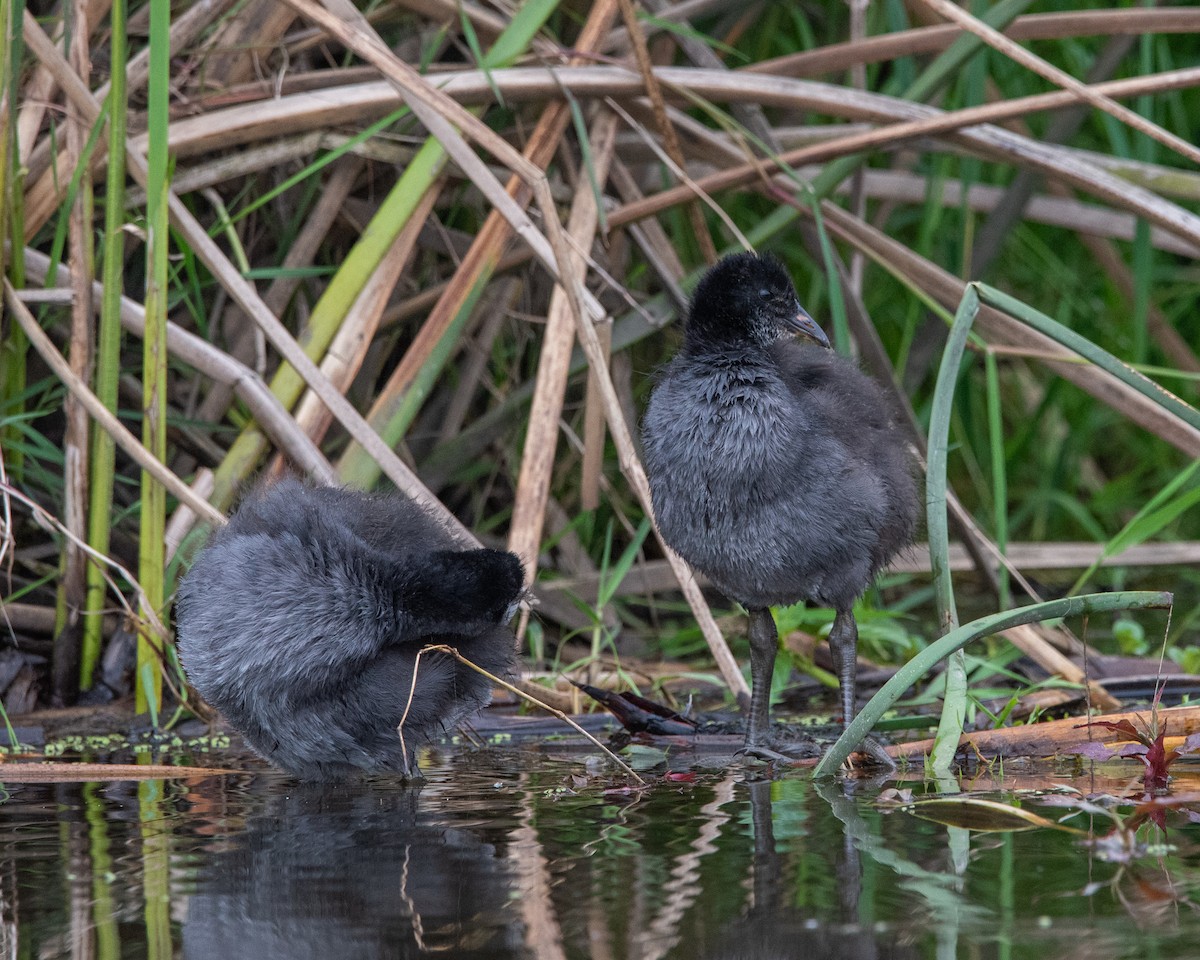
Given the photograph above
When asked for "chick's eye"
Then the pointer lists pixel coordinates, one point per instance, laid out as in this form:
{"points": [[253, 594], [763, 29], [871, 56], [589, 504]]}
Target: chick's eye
{"points": [[764, 293]]}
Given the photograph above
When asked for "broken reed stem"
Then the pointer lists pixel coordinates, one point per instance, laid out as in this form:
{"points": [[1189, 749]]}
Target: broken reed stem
{"points": [[554, 359], [451, 652], [592, 467]]}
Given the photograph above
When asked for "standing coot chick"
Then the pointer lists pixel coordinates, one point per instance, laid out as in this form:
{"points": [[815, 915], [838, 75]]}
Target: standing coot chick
{"points": [[775, 465], [301, 620]]}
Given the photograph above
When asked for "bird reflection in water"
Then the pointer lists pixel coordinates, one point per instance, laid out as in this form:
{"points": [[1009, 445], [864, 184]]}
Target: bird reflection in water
{"points": [[352, 872], [773, 929]]}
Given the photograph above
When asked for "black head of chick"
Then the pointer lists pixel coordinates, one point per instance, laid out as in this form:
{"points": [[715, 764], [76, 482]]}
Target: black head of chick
{"points": [[776, 466], [747, 299]]}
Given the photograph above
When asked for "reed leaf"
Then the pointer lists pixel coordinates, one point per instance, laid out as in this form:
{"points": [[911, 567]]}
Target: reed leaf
{"points": [[954, 704], [151, 549], [108, 348]]}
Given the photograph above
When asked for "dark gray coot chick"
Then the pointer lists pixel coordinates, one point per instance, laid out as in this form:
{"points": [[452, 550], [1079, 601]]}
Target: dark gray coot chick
{"points": [[301, 620], [776, 466]]}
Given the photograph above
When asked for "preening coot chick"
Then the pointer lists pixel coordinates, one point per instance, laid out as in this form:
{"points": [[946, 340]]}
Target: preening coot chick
{"points": [[775, 465], [301, 621]]}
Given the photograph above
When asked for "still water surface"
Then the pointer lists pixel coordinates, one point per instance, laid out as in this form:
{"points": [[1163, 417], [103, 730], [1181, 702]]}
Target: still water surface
{"points": [[502, 855]]}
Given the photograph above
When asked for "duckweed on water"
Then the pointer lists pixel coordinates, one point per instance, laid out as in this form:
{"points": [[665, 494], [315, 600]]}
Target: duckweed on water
{"points": [[141, 743]]}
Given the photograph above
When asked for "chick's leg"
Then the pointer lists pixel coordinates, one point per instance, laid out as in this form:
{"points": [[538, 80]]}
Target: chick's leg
{"points": [[843, 646], [764, 642]]}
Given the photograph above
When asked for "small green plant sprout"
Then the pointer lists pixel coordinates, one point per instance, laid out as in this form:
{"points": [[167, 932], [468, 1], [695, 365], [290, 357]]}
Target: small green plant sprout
{"points": [[1188, 658], [1130, 637]]}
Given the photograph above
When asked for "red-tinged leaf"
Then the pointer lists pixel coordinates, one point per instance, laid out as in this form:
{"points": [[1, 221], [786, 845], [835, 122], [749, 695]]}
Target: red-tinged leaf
{"points": [[1132, 750], [1156, 817], [639, 715], [1123, 727], [1155, 892], [1190, 745], [1095, 751], [1158, 760], [1185, 802]]}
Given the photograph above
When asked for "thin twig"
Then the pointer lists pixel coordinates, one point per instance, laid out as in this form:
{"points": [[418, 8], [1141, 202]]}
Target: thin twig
{"points": [[450, 651]]}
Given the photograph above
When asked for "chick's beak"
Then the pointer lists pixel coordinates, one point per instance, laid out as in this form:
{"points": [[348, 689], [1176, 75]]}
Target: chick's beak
{"points": [[806, 326]]}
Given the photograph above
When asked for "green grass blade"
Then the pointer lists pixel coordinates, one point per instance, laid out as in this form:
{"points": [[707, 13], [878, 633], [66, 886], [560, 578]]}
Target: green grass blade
{"points": [[837, 304], [1090, 352], [477, 52], [616, 574], [999, 471], [519, 33], [1162, 509], [151, 550], [14, 345], [108, 348], [954, 707]]}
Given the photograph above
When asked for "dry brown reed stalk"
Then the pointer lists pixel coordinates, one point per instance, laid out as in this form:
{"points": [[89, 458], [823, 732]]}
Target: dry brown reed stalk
{"points": [[971, 128], [485, 252], [592, 468], [538, 455], [55, 771]]}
